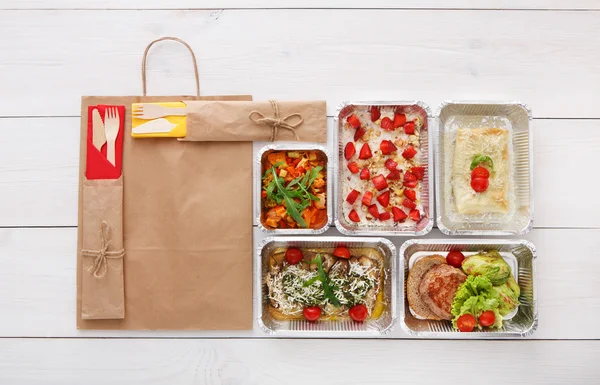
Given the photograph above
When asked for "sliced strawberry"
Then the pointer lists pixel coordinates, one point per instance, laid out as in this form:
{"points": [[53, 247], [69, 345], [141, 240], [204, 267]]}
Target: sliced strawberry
{"points": [[390, 164], [353, 167], [418, 172], [409, 128], [387, 124], [365, 152], [410, 180], [415, 215], [393, 175], [384, 199], [384, 216], [373, 211], [410, 194], [379, 182], [387, 147], [408, 204], [375, 113], [399, 214], [367, 198], [349, 150], [353, 121], [354, 216], [351, 198], [399, 120], [365, 174], [358, 134], [409, 153]]}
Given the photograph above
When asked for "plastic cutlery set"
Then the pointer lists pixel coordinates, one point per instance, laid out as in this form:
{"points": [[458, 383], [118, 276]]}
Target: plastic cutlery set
{"points": [[158, 120], [105, 141], [106, 132]]}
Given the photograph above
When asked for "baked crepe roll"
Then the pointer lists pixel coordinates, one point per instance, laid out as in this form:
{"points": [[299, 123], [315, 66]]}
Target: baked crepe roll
{"points": [[492, 142]]}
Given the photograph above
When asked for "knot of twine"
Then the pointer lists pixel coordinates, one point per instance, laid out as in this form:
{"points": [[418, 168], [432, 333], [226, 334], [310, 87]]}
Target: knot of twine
{"points": [[276, 122], [101, 257]]}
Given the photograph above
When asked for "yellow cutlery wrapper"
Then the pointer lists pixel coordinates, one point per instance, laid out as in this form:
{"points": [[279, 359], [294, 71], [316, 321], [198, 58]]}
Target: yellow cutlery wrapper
{"points": [[178, 132]]}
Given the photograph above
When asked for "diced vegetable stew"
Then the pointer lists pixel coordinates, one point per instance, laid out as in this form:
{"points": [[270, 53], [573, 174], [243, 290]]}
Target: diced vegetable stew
{"points": [[294, 189]]}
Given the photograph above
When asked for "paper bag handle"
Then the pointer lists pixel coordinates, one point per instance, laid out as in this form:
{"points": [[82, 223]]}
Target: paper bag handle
{"points": [[177, 40]]}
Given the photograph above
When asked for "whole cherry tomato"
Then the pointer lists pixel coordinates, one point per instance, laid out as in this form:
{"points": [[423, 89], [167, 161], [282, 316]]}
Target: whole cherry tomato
{"points": [[358, 313], [312, 313], [455, 258], [342, 252], [293, 256]]}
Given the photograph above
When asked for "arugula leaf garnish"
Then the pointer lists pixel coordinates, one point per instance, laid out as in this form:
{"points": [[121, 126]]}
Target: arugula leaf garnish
{"points": [[328, 288]]}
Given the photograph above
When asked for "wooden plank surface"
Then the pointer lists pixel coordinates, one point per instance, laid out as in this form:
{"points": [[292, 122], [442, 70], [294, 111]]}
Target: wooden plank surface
{"points": [[544, 52], [305, 54], [295, 4], [38, 278], [267, 362]]}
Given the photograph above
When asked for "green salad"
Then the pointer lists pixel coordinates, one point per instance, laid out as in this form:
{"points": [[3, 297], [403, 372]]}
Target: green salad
{"points": [[489, 288]]}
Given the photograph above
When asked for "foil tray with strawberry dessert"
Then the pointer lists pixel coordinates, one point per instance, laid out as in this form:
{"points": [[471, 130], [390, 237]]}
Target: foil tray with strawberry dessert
{"points": [[383, 181]]}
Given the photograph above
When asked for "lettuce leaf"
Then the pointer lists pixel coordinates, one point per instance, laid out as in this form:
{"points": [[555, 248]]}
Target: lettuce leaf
{"points": [[475, 296]]}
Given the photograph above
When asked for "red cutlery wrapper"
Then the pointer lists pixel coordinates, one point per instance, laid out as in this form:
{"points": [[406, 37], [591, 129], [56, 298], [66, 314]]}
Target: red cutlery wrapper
{"points": [[97, 165]]}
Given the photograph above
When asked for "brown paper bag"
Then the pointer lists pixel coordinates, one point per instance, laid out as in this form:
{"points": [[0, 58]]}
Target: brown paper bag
{"points": [[187, 228], [256, 121]]}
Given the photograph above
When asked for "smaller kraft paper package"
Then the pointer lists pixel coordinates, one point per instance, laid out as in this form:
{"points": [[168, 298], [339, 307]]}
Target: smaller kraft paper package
{"points": [[223, 121]]}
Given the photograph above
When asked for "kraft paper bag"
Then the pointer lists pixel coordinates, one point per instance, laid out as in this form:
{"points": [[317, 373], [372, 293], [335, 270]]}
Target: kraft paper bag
{"points": [[302, 121], [187, 229]]}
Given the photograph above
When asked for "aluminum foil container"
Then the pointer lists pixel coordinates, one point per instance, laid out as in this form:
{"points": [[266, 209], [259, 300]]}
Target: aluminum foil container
{"points": [[328, 329], [262, 157], [522, 324], [407, 228], [516, 118]]}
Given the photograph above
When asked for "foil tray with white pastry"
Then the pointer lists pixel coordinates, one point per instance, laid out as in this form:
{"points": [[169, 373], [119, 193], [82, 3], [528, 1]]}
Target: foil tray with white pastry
{"points": [[484, 169]]}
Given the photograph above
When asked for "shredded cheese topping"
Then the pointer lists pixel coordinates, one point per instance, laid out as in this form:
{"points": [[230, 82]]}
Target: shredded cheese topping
{"points": [[288, 292]]}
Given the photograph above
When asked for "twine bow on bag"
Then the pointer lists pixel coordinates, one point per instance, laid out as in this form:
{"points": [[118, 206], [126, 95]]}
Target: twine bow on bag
{"points": [[101, 257], [276, 121]]}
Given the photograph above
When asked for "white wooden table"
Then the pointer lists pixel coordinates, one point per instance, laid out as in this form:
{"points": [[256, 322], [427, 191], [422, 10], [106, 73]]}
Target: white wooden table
{"points": [[546, 53]]}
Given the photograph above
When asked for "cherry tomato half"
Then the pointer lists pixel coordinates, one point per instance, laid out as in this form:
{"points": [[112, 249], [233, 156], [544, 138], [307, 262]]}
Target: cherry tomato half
{"points": [[342, 252], [480, 172], [466, 323], [312, 313], [358, 313], [293, 256], [455, 258], [487, 318], [479, 184]]}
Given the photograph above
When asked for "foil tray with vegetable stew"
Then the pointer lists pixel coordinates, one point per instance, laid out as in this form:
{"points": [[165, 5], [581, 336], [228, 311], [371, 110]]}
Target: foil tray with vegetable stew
{"points": [[293, 191]]}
